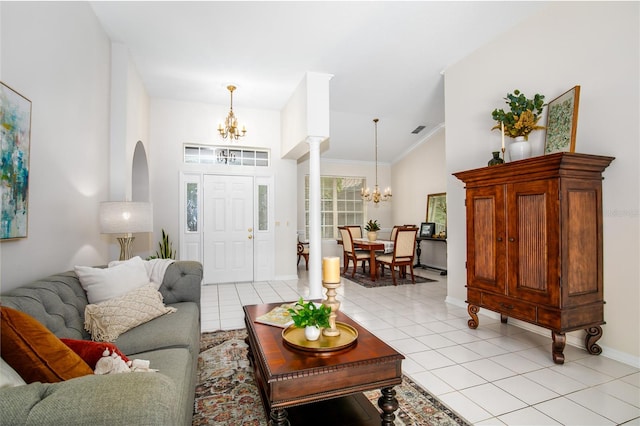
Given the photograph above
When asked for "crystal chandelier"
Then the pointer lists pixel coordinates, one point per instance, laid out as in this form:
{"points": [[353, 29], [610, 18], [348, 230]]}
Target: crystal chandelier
{"points": [[230, 129], [376, 196]]}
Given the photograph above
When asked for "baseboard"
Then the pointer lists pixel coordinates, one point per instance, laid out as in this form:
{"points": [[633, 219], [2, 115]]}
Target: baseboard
{"points": [[286, 277], [575, 338]]}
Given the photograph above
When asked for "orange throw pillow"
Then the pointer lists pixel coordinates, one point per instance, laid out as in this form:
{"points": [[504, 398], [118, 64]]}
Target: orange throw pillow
{"points": [[91, 351], [36, 353]]}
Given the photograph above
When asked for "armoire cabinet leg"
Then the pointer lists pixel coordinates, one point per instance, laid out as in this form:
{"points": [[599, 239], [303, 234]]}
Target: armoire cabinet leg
{"points": [[557, 347], [473, 313], [593, 335]]}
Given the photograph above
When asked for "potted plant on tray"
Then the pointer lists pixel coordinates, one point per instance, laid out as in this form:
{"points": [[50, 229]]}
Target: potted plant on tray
{"points": [[372, 229], [311, 317]]}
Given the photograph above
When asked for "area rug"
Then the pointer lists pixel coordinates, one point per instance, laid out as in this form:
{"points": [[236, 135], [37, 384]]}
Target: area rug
{"points": [[365, 279], [227, 394]]}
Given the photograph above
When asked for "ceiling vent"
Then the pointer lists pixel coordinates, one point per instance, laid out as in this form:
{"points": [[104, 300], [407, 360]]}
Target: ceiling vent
{"points": [[418, 130]]}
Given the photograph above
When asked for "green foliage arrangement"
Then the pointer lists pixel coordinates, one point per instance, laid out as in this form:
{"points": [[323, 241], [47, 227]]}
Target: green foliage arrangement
{"points": [[165, 248], [308, 314], [372, 226], [523, 117]]}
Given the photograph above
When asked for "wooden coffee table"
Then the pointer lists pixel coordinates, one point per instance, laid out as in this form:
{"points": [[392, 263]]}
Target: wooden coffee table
{"points": [[289, 377]]}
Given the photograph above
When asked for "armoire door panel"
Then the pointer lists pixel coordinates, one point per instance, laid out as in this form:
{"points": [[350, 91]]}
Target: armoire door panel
{"points": [[583, 232], [486, 238], [532, 241]]}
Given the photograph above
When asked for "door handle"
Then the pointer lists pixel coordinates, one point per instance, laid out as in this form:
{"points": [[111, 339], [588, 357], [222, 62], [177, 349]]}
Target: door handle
{"points": [[250, 230], [250, 236]]}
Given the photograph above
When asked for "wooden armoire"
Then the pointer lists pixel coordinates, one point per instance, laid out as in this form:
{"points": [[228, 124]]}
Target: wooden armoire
{"points": [[534, 244]]}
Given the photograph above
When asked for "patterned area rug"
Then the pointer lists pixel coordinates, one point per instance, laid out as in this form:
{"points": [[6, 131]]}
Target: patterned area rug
{"points": [[226, 392], [365, 279]]}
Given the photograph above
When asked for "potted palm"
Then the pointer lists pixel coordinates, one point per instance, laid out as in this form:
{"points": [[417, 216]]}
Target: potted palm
{"points": [[311, 317], [372, 227]]}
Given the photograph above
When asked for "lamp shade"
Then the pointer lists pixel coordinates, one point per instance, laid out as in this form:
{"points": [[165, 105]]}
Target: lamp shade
{"points": [[125, 217]]}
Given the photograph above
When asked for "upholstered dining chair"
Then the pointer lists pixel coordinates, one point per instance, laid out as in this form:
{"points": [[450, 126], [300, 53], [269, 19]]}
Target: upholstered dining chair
{"points": [[303, 251], [350, 253], [392, 237], [404, 250], [356, 230]]}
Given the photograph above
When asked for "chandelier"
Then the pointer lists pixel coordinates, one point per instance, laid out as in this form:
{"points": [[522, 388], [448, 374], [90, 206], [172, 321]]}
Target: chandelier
{"points": [[230, 129], [376, 196]]}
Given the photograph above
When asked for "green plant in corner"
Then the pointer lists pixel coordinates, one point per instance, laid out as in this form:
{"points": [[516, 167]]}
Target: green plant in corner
{"points": [[309, 314], [166, 248], [372, 226]]}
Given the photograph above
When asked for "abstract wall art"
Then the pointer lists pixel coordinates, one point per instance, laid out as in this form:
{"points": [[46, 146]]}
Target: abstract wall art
{"points": [[15, 141]]}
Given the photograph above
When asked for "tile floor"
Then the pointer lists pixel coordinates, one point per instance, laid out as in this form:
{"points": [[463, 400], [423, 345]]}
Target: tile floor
{"points": [[494, 375]]}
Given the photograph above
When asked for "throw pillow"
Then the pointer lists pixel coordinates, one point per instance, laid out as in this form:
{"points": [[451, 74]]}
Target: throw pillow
{"points": [[107, 320], [106, 283], [8, 376], [91, 351], [36, 353], [155, 269]]}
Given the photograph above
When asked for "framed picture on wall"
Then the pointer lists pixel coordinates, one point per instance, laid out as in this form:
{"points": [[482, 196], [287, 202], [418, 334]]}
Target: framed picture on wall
{"points": [[562, 122], [427, 229], [15, 138]]}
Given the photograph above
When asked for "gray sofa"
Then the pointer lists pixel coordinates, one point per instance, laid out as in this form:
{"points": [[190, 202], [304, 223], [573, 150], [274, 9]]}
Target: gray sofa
{"points": [[170, 342]]}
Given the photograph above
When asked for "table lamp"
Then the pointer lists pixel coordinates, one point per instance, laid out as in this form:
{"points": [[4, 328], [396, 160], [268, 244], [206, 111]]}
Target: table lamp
{"points": [[125, 217]]}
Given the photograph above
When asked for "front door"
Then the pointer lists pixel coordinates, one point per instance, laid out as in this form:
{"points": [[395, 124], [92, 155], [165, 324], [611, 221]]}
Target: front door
{"points": [[228, 229]]}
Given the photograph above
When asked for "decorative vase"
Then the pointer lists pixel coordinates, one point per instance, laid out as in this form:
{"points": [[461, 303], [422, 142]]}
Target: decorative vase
{"points": [[372, 235], [520, 149], [312, 332], [496, 159]]}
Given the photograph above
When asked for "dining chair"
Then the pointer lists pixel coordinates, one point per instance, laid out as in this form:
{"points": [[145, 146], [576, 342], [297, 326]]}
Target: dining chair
{"points": [[303, 251], [404, 249], [351, 254], [356, 230], [392, 237]]}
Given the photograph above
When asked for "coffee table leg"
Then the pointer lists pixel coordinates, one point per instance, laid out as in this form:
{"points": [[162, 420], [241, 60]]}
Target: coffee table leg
{"points": [[388, 403], [279, 418]]}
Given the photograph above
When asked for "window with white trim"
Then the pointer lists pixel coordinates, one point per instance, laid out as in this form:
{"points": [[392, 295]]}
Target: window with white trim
{"points": [[340, 204], [226, 155]]}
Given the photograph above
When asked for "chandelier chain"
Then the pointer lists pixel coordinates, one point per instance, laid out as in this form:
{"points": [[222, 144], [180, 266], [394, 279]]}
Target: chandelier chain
{"points": [[376, 196]]}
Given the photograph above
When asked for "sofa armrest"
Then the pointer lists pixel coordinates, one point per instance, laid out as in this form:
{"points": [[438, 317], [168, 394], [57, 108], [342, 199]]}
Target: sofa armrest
{"points": [[181, 282], [115, 399]]}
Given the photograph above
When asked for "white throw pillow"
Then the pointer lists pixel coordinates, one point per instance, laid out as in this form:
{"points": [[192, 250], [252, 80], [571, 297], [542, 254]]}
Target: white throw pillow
{"points": [[155, 269], [8, 376], [107, 320], [106, 283]]}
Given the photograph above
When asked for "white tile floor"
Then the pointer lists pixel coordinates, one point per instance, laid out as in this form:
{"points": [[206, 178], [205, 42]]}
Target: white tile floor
{"points": [[497, 374]]}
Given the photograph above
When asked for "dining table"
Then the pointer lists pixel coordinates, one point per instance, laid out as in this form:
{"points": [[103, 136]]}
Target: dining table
{"points": [[373, 246]]}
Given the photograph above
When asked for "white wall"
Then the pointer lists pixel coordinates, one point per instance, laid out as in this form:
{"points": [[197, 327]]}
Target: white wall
{"points": [[57, 55], [174, 123], [594, 45], [129, 124], [418, 173]]}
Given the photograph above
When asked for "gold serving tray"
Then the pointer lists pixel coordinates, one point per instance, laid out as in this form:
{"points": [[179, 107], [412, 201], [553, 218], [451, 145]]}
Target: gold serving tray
{"points": [[294, 337]]}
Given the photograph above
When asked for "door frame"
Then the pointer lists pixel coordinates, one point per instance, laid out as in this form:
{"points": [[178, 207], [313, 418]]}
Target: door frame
{"points": [[191, 243]]}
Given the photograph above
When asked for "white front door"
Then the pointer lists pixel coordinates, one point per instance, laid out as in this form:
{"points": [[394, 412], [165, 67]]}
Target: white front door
{"points": [[228, 229]]}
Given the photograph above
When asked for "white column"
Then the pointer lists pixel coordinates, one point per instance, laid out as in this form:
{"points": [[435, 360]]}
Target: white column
{"points": [[315, 237]]}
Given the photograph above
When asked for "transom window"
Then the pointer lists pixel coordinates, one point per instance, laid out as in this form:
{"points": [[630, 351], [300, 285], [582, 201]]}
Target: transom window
{"points": [[226, 155], [340, 204]]}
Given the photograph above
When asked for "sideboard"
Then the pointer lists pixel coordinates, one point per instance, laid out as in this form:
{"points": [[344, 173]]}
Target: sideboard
{"points": [[534, 244]]}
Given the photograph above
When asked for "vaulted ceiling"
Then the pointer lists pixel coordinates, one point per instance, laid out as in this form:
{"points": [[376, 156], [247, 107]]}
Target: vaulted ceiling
{"points": [[387, 57]]}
